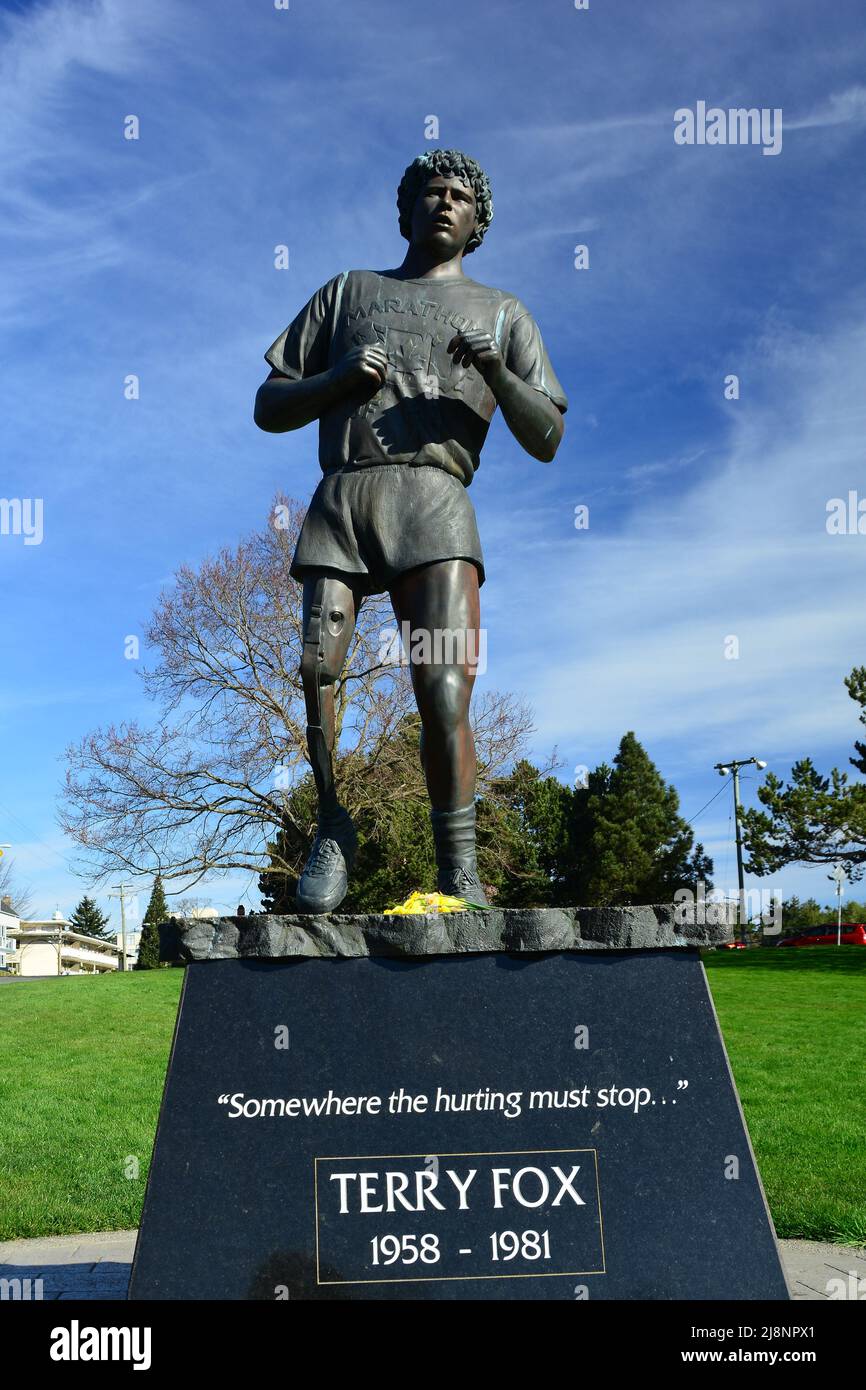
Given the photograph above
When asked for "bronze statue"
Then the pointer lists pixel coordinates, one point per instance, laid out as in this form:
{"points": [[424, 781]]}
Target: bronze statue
{"points": [[404, 369]]}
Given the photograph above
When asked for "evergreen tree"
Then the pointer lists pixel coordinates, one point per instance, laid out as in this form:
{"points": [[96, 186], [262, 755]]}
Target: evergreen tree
{"points": [[90, 920], [395, 852], [797, 915], [391, 864], [814, 819], [148, 947], [525, 850], [157, 911], [634, 847]]}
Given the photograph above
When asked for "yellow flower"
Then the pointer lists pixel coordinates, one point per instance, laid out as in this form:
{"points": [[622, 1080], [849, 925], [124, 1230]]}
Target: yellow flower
{"points": [[418, 902]]}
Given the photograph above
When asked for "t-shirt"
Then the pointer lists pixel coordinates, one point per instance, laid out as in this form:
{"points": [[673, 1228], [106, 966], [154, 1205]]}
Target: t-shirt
{"points": [[429, 410]]}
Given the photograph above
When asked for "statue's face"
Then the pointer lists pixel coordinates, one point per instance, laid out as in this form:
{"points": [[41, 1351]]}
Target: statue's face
{"points": [[444, 214]]}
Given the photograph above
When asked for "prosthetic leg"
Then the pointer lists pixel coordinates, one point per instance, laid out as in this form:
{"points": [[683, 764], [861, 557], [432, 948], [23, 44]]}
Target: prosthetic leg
{"points": [[327, 631]]}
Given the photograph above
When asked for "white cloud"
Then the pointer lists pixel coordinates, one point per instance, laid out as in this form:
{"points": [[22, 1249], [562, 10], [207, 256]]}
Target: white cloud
{"points": [[840, 108], [57, 221], [624, 628]]}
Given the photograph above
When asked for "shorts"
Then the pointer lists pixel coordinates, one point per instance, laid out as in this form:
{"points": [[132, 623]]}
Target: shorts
{"points": [[379, 520]]}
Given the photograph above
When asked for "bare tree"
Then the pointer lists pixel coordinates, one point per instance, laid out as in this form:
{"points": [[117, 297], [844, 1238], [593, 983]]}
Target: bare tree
{"points": [[210, 781], [20, 896], [188, 907]]}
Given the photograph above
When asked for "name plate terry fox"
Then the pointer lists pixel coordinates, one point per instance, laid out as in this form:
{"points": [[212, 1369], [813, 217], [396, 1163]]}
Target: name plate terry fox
{"points": [[529, 1214]]}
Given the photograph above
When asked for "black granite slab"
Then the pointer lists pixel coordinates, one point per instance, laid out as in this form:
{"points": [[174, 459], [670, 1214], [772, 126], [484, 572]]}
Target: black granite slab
{"points": [[573, 1189]]}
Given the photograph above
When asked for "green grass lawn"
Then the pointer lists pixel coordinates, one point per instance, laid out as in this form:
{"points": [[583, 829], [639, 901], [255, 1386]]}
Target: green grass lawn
{"points": [[794, 1024], [84, 1061]]}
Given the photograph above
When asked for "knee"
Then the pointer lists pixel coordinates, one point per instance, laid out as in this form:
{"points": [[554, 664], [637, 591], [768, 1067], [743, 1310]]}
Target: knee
{"points": [[318, 667], [322, 658], [444, 693]]}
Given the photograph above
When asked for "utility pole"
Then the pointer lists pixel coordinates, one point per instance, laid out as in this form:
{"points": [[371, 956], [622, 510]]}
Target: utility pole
{"points": [[723, 769], [120, 892], [838, 876]]}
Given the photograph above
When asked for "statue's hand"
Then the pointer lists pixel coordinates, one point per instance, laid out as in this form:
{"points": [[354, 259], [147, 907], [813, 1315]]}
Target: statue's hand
{"points": [[364, 367], [480, 350]]}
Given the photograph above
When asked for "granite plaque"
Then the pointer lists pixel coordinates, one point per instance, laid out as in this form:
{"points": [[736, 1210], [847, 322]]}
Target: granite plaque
{"points": [[560, 1125]]}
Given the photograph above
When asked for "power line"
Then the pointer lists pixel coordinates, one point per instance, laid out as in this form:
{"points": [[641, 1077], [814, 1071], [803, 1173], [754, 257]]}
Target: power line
{"points": [[709, 803], [67, 863]]}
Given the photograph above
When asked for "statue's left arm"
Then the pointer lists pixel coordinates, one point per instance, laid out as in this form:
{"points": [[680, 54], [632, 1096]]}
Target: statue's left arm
{"points": [[533, 418]]}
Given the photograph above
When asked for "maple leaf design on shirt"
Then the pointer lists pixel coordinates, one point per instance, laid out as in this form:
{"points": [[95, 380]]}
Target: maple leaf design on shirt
{"points": [[410, 354]]}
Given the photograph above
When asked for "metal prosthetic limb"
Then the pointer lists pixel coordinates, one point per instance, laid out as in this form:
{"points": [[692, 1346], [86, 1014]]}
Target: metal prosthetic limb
{"points": [[324, 882]]}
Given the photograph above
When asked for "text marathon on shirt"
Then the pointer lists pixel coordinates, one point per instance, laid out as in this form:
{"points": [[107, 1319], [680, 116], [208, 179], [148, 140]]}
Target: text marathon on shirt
{"points": [[429, 411]]}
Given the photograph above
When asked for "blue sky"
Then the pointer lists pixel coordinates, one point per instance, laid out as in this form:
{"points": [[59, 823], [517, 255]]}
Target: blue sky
{"points": [[262, 126]]}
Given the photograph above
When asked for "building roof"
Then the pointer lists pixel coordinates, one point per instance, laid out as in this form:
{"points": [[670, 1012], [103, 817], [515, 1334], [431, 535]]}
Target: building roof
{"points": [[50, 930]]}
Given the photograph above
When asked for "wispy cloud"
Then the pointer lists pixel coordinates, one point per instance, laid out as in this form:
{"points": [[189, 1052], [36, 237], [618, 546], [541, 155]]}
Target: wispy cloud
{"points": [[840, 108]]}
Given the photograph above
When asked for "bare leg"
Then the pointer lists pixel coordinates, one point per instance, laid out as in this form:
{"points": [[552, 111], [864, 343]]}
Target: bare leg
{"points": [[442, 598], [440, 604]]}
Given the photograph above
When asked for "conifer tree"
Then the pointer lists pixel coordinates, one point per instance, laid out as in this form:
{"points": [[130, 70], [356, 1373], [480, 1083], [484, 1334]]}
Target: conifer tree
{"points": [[90, 920], [157, 911], [636, 847]]}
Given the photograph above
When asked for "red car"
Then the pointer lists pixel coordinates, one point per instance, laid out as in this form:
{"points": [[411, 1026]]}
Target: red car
{"points": [[853, 934]]}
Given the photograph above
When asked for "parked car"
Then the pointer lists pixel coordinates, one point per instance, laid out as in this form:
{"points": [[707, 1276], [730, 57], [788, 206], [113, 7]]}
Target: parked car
{"points": [[853, 934]]}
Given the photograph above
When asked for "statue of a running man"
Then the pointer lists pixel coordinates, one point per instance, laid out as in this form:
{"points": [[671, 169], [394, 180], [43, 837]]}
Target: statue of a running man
{"points": [[404, 369]]}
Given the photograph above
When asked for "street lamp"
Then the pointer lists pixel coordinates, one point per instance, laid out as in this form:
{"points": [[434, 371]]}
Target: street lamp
{"points": [[724, 770], [838, 876]]}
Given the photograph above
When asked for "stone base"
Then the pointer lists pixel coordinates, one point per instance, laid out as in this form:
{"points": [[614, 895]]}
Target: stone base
{"points": [[580, 1098], [267, 936]]}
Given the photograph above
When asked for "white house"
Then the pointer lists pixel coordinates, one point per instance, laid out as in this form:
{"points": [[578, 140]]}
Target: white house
{"points": [[132, 942], [53, 948]]}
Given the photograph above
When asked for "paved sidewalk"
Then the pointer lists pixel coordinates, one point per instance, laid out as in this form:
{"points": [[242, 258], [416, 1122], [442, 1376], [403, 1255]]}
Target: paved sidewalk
{"points": [[97, 1266], [817, 1271], [93, 1265]]}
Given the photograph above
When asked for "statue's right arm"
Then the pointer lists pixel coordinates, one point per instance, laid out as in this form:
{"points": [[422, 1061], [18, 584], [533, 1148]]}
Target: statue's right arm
{"points": [[284, 404]]}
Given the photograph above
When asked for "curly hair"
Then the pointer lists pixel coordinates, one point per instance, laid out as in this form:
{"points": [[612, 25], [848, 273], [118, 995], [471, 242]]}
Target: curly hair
{"points": [[452, 164]]}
